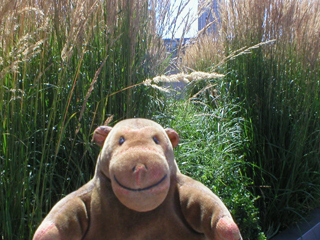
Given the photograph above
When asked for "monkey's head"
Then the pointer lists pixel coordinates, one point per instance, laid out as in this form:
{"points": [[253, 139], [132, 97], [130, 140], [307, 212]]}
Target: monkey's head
{"points": [[137, 156]]}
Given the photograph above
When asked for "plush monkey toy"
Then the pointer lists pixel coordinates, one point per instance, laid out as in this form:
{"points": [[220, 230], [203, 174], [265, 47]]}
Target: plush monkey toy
{"points": [[138, 193]]}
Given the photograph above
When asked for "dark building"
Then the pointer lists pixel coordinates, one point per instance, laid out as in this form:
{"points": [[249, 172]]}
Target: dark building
{"points": [[210, 14]]}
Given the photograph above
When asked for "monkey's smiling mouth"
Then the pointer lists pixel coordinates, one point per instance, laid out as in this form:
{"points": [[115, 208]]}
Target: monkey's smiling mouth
{"points": [[141, 189]]}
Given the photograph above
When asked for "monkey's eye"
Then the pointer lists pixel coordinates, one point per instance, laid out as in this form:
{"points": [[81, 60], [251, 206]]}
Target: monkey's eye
{"points": [[121, 140], [156, 140]]}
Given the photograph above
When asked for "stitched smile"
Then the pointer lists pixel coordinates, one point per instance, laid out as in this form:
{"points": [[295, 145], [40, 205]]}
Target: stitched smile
{"points": [[140, 189]]}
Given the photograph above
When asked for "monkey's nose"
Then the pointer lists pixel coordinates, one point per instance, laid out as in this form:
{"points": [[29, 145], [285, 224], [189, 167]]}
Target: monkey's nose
{"points": [[140, 167], [140, 172]]}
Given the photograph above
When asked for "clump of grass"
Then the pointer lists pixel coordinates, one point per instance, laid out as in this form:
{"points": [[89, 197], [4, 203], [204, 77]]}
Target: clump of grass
{"points": [[210, 150], [60, 63], [278, 84]]}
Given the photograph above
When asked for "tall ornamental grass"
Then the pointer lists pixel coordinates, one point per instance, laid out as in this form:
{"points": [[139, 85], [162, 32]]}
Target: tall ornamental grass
{"points": [[65, 66], [269, 51]]}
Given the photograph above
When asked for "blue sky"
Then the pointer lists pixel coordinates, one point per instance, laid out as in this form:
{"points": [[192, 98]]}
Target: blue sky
{"points": [[193, 7]]}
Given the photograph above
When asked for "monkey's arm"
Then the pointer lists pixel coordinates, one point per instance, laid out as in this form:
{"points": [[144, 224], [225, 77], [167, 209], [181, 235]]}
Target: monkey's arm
{"points": [[205, 212], [68, 220]]}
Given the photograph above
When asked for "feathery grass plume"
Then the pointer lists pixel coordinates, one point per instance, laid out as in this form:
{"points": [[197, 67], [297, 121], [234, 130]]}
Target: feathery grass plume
{"points": [[174, 78], [183, 77], [179, 78]]}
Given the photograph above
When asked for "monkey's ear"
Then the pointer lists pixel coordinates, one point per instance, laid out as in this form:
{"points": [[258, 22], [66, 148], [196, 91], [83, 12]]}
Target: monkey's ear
{"points": [[100, 135], [173, 136]]}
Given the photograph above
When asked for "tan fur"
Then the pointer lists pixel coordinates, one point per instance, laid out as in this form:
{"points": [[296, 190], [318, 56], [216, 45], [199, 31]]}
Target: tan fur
{"points": [[138, 193]]}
